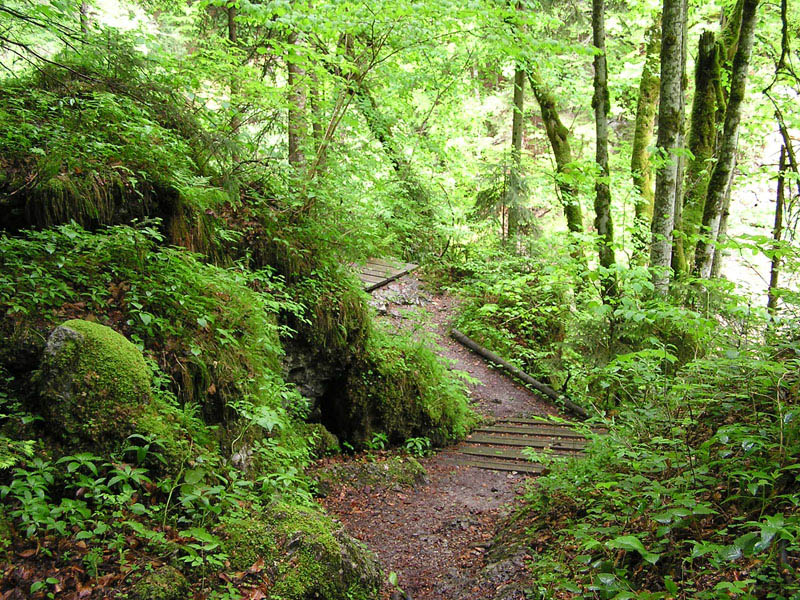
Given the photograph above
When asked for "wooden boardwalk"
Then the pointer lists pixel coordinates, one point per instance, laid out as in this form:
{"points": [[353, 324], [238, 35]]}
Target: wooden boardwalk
{"points": [[377, 272], [500, 446]]}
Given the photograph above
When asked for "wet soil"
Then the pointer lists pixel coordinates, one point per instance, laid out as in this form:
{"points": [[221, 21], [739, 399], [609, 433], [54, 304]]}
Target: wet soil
{"points": [[436, 536]]}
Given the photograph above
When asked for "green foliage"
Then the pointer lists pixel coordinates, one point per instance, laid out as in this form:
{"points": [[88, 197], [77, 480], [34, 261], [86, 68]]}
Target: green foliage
{"points": [[402, 389]]}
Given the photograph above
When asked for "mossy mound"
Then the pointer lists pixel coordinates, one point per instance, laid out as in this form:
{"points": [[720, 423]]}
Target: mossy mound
{"points": [[305, 555], [94, 384], [164, 583], [399, 387], [404, 471]]}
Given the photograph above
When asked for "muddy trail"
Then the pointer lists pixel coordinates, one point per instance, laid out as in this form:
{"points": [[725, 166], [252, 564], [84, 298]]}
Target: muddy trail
{"points": [[437, 535]]}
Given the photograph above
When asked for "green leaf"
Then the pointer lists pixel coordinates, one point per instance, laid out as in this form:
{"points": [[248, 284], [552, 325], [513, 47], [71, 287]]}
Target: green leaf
{"points": [[630, 543]]}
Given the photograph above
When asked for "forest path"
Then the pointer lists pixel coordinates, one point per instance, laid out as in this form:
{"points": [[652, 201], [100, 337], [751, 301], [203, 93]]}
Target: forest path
{"points": [[435, 535]]}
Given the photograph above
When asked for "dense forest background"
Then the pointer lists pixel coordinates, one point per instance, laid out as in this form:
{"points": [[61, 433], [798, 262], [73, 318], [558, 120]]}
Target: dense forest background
{"points": [[610, 190]]}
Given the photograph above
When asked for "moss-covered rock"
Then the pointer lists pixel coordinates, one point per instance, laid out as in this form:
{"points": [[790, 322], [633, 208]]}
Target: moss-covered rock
{"points": [[94, 384], [405, 471], [163, 583], [305, 554], [323, 442]]}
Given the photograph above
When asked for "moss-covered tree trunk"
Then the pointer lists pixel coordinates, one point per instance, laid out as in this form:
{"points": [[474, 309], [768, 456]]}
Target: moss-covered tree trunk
{"points": [[723, 169], [669, 127], [702, 136], [513, 195], [558, 134], [678, 260], [777, 235], [297, 125], [602, 190], [641, 169]]}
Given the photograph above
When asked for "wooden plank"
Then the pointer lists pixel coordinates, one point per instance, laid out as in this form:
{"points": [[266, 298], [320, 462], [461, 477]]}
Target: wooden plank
{"points": [[499, 440], [506, 465], [523, 430], [377, 272], [512, 453], [370, 278], [541, 423], [387, 262]]}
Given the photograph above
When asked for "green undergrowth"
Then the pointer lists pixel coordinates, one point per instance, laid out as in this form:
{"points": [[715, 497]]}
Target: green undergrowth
{"points": [[693, 494], [401, 388], [103, 142]]}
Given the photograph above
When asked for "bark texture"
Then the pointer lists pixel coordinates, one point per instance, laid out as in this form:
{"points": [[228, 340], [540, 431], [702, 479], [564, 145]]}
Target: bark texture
{"points": [[702, 135], [669, 125], [601, 104], [723, 169], [513, 198], [297, 125], [777, 235], [641, 169], [558, 134]]}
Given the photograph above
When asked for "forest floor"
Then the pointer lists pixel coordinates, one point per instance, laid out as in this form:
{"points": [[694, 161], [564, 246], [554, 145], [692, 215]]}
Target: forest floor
{"points": [[437, 535]]}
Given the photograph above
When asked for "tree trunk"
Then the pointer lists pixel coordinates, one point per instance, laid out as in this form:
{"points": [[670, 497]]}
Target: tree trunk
{"points": [[84, 17], [601, 104], [716, 263], [678, 260], [777, 235], [723, 169], [513, 196], [702, 136], [558, 135], [669, 126], [297, 126], [641, 169], [235, 122]]}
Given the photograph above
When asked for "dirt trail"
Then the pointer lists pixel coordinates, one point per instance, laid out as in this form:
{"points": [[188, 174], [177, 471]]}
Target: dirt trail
{"points": [[435, 536]]}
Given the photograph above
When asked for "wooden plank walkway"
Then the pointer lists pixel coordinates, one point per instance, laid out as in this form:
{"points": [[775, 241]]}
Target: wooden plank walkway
{"points": [[500, 446], [377, 272]]}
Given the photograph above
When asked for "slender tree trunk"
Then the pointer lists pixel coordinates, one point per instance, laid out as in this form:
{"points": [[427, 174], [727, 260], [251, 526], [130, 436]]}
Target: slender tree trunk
{"points": [[678, 260], [702, 136], [716, 263], [641, 169], [297, 125], [601, 104], [723, 169], [235, 122], [777, 235], [84, 17], [669, 126], [513, 195], [558, 135]]}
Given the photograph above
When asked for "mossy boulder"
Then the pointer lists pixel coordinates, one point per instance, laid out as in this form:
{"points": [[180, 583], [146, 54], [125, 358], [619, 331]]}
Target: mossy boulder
{"points": [[163, 583], [305, 553], [94, 385], [403, 471]]}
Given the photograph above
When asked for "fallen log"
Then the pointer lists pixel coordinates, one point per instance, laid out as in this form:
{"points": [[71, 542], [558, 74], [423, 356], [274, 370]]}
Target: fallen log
{"points": [[519, 373]]}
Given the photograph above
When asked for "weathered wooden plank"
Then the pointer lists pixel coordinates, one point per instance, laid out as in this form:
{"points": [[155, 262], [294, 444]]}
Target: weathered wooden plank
{"points": [[504, 465], [541, 423], [378, 272], [514, 453], [534, 431], [500, 440]]}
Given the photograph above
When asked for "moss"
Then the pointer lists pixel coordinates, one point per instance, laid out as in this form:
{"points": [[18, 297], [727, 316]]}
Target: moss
{"points": [[399, 387], [94, 383], [164, 583], [404, 471], [324, 442], [306, 555]]}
